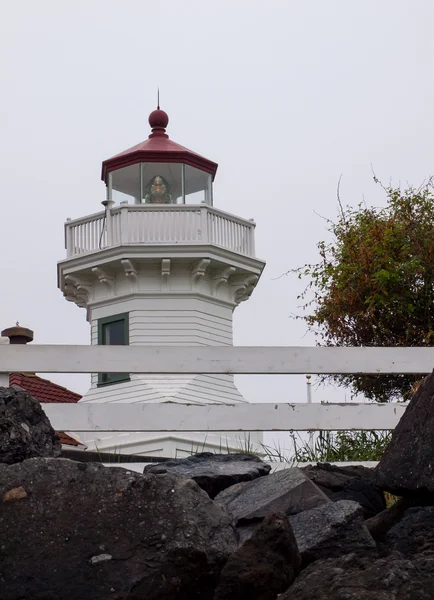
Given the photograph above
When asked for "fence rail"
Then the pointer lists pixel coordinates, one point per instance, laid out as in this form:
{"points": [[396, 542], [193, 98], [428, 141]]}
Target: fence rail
{"points": [[223, 417], [222, 360], [214, 359]]}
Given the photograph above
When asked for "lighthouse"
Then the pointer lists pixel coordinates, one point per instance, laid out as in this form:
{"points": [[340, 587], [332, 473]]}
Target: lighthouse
{"points": [[160, 265]]}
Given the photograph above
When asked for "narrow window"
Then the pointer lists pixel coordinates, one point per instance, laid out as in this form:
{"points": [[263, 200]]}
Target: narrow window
{"points": [[113, 331]]}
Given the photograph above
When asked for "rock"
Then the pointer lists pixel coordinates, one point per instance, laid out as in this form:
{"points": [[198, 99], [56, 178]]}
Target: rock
{"points": [[354, 482], [355, 578], [25, 430], [414, 534], [262, 567], [288, 491], [246, 531], [332, 530], [407, 466], [381, 523], [214, 472], [88, 531], [334, 478]]}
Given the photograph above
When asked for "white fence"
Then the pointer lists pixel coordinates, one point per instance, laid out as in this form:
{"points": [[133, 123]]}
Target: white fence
{"points": [[279, 416], [142, 224]]}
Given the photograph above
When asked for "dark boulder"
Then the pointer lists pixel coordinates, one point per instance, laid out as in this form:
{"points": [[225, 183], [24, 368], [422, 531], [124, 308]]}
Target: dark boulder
{"points": [[353, 482], [214, 472], [355, 578], [414, 534], [332, 530], [407, 466], [264, 566], [25, 431], [84, 531], [288, 491]]}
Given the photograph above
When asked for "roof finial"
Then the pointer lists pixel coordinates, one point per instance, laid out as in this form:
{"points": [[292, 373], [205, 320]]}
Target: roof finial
{"points": [[158, 99]]}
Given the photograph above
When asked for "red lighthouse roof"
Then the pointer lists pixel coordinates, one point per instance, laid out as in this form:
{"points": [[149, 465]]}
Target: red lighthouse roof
{"points": [[158, 148]]}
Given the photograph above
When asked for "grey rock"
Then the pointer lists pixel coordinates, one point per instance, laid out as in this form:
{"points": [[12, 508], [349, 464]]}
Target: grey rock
{"points": [[246, 531], [288, 491], [165, 536], [353, 482], [264, 566], [407, 466], [25, 430], [332, 530], [214, 472], [355, 578], [414, 534]]}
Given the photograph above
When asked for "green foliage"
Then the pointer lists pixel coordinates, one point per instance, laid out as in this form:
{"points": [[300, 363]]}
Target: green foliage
{"points": [[341, 446], [374, 284]]}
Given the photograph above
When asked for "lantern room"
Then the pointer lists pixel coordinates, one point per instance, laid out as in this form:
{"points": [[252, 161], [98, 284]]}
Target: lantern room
{"points": [[159, 171]]}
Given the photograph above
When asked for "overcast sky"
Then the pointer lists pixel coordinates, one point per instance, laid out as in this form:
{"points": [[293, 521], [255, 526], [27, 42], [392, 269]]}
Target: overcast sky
{"points": [[286, 96]]}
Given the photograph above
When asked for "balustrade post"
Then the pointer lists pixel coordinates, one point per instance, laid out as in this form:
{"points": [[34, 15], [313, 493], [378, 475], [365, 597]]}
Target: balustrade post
{"points": [[204, 223], [252, 238], [124, 223], [109, 224], [68, 238]]}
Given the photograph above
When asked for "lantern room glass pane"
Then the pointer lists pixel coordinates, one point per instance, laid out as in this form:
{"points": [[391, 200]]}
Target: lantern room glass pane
{"points": [[198, 186], [161, 183], [126, 184]]}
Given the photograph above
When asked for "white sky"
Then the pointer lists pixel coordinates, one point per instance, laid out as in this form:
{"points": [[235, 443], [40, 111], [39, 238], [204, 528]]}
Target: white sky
{"points": [[286, 96]]}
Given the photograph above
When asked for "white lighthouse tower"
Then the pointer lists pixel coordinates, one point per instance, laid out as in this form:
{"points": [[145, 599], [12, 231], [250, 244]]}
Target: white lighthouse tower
{"points": [[160, 266]]}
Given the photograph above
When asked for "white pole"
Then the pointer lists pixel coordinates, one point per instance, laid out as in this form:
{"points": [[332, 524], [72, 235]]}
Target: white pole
{"points": [[309, 389], [309, 401]]}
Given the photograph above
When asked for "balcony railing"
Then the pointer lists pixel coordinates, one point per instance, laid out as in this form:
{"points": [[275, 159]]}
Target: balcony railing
{"points": [[136, 224]]}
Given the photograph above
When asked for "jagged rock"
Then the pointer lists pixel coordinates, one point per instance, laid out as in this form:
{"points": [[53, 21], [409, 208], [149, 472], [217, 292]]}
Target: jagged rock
{"points": [[264, 566], [355, 578], [214, 472], [353, 482], [414, 534], [407, 466], [288, 491], [25, 430], [82, 530], [332, 530]]}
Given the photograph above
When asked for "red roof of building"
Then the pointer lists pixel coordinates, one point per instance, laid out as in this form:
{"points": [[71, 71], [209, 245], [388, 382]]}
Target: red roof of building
{"points": [[67, 440], [43, 389], [158, 148], [46, 391]]}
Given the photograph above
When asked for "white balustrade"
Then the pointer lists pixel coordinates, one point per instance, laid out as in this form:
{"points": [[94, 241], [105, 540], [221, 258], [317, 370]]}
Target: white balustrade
{"points": [[155, 225], [86, 234]]}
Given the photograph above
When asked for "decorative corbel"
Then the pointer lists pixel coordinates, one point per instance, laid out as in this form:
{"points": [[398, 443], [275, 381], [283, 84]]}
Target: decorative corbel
{"points": [[198, 271], [76, 290], [165, 273], [222, 277], [104, 277], [244, 287], [130, 269]]}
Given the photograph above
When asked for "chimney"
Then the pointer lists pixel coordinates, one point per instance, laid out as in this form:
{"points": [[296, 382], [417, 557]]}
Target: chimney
{"points": [[18, 334]]}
